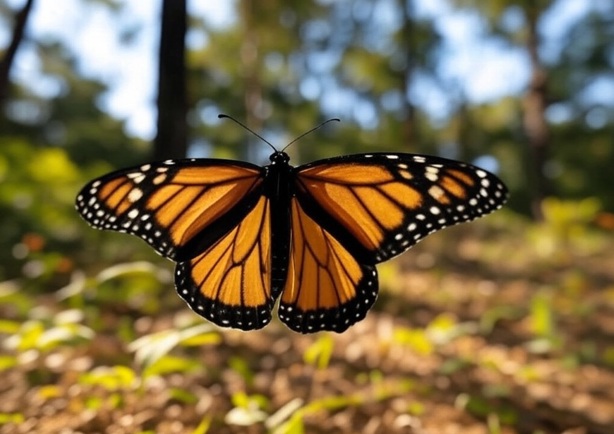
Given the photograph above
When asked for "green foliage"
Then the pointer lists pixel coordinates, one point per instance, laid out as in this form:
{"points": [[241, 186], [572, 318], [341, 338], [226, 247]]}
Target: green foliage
{"points": [[416, 339], [248, 410], [203, 426], [442, 329], [12, 297], [135, 285], [241, 367], [152, 348], [47, 333], [541, 315], [11, 418], [111, 378], [489, 407], [319, 352], [36, 203], [171, 364], [288, 419]]}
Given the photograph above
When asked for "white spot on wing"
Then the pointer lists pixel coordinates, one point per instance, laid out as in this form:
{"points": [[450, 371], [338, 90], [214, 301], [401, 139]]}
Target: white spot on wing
{"points": [[159, 179], [436, 192], [431, 176], [135, 194]]}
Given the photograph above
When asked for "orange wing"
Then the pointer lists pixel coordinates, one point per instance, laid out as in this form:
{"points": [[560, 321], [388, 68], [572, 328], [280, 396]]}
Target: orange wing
{"points": [[170, 204], [379, 205], [326, 288], [230, 283]]}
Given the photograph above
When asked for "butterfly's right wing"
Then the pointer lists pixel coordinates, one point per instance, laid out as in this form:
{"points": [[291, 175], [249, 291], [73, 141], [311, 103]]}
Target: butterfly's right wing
{"points": [[379, 205], [179, 207], [212, 217], [230, 283], [350, 213]]}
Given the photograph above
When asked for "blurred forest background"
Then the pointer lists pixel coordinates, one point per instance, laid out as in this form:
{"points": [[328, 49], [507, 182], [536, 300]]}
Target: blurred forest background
{"points": [[504, 325]]}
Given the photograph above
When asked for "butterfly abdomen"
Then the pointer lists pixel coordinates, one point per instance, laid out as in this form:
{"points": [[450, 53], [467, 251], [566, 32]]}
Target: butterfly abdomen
{"points": [[278, 189]]}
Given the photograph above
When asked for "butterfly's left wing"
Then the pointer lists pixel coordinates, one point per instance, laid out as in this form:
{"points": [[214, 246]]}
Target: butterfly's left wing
{"points": [[326, 287], [352, 212]]}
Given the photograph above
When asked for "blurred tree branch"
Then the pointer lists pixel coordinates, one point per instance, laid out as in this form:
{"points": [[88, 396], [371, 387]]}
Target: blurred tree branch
{"points": [[6, 63]]}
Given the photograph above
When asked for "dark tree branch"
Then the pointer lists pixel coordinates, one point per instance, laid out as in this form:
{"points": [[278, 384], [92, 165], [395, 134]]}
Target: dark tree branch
{"points": [[6, 63]]}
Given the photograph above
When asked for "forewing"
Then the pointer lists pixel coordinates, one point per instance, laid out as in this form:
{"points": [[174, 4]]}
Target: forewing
{"points": [[326, 288], [379, 205], [230, 283], [179, 207]]}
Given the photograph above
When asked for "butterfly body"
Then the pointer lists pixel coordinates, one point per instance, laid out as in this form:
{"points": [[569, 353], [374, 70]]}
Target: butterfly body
{"points": [[244, 236]]}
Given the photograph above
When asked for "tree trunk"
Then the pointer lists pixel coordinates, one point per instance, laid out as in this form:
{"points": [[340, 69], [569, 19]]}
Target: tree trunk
{"points": [[535, 124], [171, 138], [6, 63], [250, 62], [408, 128]]}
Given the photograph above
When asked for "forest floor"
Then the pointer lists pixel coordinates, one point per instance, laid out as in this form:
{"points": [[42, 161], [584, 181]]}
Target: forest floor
{"points": [[474, 335]]}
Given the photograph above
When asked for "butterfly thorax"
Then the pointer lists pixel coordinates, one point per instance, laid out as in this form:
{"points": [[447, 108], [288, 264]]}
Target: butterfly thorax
{"points": [[278, 188]]}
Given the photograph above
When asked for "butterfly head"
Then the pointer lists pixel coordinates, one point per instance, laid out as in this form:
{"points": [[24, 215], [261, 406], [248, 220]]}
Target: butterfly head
{"points": [[279, 158]]}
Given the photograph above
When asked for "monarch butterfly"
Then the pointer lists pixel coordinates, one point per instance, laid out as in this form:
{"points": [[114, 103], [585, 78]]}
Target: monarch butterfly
{"points": [[243, 235]]}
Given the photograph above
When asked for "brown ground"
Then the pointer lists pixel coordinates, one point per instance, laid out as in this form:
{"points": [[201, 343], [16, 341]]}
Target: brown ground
{"points": [[505, 340]]}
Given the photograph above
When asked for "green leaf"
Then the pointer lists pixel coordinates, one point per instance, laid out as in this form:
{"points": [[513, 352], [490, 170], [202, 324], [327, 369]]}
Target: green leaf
{"points": [[11, 418], [333, 403], [169, 364], [149, 348], [319, 353], [294, 425], [541, 317], [110, 378], [416, 339], [9, 327], [289, 410], [29, 335], [203, 426], [240, 366], [183, 396], [442, 328], [248, 409], [7, 362]]}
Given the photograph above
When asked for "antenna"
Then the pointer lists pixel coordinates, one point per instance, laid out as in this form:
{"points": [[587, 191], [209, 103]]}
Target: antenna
{"points": [[311, 131], [225, 116]]}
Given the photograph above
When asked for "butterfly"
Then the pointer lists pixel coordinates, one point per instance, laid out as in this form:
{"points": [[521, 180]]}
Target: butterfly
{"points": [[243, 235]]}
